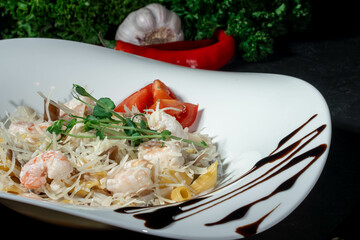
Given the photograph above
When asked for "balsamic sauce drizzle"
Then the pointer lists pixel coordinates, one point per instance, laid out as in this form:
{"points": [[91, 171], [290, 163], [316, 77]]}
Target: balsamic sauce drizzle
{"points": [[251, 229], [158, 217]]}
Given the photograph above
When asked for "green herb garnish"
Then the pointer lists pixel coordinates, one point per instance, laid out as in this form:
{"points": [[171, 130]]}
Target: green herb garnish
{"points": [[256, 25], [106, 123]]}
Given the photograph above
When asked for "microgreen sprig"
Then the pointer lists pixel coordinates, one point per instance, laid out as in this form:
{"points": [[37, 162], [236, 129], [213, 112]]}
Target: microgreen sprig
{"points": [[106, 123], [104, 106]]}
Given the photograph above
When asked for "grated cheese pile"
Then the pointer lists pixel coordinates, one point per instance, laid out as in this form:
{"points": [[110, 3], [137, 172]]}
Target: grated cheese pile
{"points": [[24, 135]]}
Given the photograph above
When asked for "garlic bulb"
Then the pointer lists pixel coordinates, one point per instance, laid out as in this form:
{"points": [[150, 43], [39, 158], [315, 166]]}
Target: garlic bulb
{"points": [[152, 24]]}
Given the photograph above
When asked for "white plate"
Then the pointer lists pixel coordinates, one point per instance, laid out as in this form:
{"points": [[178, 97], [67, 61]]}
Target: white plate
{"points": [[247, 114]]}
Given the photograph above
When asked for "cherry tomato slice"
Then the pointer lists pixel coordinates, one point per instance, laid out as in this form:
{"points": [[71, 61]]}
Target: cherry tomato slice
{"points": [[161, 91], [143, 99], [187, 114], [148, 96]]}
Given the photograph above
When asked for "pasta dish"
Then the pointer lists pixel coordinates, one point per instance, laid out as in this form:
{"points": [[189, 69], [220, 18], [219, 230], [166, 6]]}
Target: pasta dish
{"points": [[90, 152]]}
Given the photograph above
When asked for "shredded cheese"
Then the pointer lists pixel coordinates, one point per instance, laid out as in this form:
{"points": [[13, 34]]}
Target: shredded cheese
{"points": [[92, 164]]}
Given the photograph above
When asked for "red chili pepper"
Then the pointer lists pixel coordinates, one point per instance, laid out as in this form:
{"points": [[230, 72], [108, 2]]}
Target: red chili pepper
{"points": [[210, 54], [183, 45]]}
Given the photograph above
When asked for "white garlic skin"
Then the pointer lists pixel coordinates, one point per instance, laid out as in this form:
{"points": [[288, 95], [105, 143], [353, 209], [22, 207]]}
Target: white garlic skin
{"points": [[152, 24]]}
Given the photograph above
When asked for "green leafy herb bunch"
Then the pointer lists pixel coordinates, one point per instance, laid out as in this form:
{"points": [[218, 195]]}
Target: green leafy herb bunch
{"points": [[255, 24]]}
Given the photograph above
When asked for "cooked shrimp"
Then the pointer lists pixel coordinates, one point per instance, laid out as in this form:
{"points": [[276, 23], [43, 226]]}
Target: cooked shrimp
{"points": [[28, 130], [80, 108], [133, 178], [159, 120], [19, 128], [166, 154], [50, 164]]}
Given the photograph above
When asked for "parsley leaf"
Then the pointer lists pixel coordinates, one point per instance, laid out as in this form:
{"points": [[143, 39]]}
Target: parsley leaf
{"points": [[81, 91], [100, 111], [130, 123], [165, 134], [56, 127]]}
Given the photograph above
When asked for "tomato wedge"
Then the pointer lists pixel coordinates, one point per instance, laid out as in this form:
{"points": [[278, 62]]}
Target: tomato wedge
{"points": [[161, 91], [142, 99], [187, 114], [148, 96]]}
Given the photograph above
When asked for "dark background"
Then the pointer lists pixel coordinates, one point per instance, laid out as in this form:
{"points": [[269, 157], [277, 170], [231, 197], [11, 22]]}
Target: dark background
{"points": [[327, 56]]}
